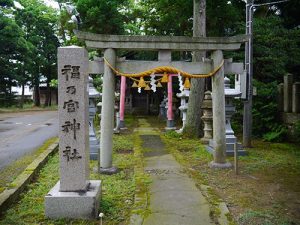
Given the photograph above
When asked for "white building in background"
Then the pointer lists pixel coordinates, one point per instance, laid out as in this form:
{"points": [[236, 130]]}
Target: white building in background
{"points": [[28, 92]]}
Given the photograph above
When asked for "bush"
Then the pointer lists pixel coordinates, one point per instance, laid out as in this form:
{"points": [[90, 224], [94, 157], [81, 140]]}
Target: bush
{"points": [[297, 131], [277, 134], [173, 134], [266, 122]]}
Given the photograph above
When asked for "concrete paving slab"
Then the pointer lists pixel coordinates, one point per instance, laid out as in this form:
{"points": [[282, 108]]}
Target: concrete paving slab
{"points": [[174, 219], [174, 198]]}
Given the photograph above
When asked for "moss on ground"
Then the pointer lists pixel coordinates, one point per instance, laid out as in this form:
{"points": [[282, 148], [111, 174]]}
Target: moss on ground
{"points": [[9, 173], [265, 192]]}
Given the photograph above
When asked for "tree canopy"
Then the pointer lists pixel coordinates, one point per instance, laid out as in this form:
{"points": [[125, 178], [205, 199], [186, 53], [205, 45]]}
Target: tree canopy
{"points": [[30, 33]]}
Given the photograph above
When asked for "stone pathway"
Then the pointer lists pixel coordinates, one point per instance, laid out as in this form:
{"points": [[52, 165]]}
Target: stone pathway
{"points": [[174, 198]]}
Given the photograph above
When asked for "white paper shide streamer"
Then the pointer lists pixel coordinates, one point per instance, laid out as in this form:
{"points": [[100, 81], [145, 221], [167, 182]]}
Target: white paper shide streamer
{"points": [[152, 82], [181, 87]]}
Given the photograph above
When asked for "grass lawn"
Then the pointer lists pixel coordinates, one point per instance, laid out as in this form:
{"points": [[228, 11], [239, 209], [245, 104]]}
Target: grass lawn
{"points": [[118, 190], [26, 107], [10, 172], [267, 189]]}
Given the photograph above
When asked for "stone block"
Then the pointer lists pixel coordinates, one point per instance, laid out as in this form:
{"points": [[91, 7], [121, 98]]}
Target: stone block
{"points": [[74, 205], [287, 92], [296, 98], [73, 118], [229, 148]]}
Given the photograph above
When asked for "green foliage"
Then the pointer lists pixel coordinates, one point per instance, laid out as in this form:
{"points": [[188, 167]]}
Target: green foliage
{"points": [[97, 81], [175, 17], [103, 17], [277, 134], [262, 217], [173, 134], [117, 194], [275, 54], [275, 51], [289, 11], [13, 47], [297, 131], [54, 83], [266, 121], [122, 143], [28, 35]]}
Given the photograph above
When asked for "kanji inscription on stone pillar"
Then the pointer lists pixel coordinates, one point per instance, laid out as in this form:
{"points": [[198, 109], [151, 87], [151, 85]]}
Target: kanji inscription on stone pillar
{"points": [[73, 118]]}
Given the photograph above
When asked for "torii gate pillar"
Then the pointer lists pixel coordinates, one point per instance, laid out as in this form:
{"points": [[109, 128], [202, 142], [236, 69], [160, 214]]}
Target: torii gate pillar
{"points": [[107, 115], [218, 104]]}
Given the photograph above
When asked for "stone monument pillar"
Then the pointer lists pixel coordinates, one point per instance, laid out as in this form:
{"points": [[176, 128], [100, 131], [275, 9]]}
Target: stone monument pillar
{"points": [[296, 98], [74, 196], [287, 92], [280, 97]]}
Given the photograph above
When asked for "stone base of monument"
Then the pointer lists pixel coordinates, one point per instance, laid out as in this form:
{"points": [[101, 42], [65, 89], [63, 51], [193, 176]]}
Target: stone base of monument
{"points": [[179, 131], [204, 141], [122, 125], [75, 205], [116, 131], [109, 171], [94, 149], [229, 147], [170, 125]]}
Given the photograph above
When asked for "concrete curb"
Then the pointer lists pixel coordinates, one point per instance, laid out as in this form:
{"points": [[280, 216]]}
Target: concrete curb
{"points": [[8, 196], [140, 198], [141, 203], [224, 216]]}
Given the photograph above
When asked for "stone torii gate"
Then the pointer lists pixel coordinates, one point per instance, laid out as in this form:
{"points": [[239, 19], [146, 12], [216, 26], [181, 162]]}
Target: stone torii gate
{"points": [[164, 45]]}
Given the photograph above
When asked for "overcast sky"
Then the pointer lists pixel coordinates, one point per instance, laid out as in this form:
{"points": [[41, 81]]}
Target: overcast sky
{"points": [[52, 3]]}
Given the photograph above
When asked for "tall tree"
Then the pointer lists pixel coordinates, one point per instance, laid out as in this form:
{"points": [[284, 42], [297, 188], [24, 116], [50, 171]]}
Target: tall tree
{"points": [[103, 17], [39, 23], [193, 119], [12, 50]]}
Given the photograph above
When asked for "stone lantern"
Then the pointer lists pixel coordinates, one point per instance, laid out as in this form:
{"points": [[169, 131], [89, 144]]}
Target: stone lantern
{"points": [[117, 113], [231, 139], [162, 108], [184, 96], [94, 142], [207, 117]]}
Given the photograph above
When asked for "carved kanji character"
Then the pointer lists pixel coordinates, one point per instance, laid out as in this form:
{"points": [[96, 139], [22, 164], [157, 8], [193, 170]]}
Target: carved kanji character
{"points": [[71, 105], [71, 127]]}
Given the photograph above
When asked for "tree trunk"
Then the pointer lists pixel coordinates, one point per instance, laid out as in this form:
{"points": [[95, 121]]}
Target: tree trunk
{"points": [[37, 101], [22, 96], [193, 120], [50, 97], [47, 100]]}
